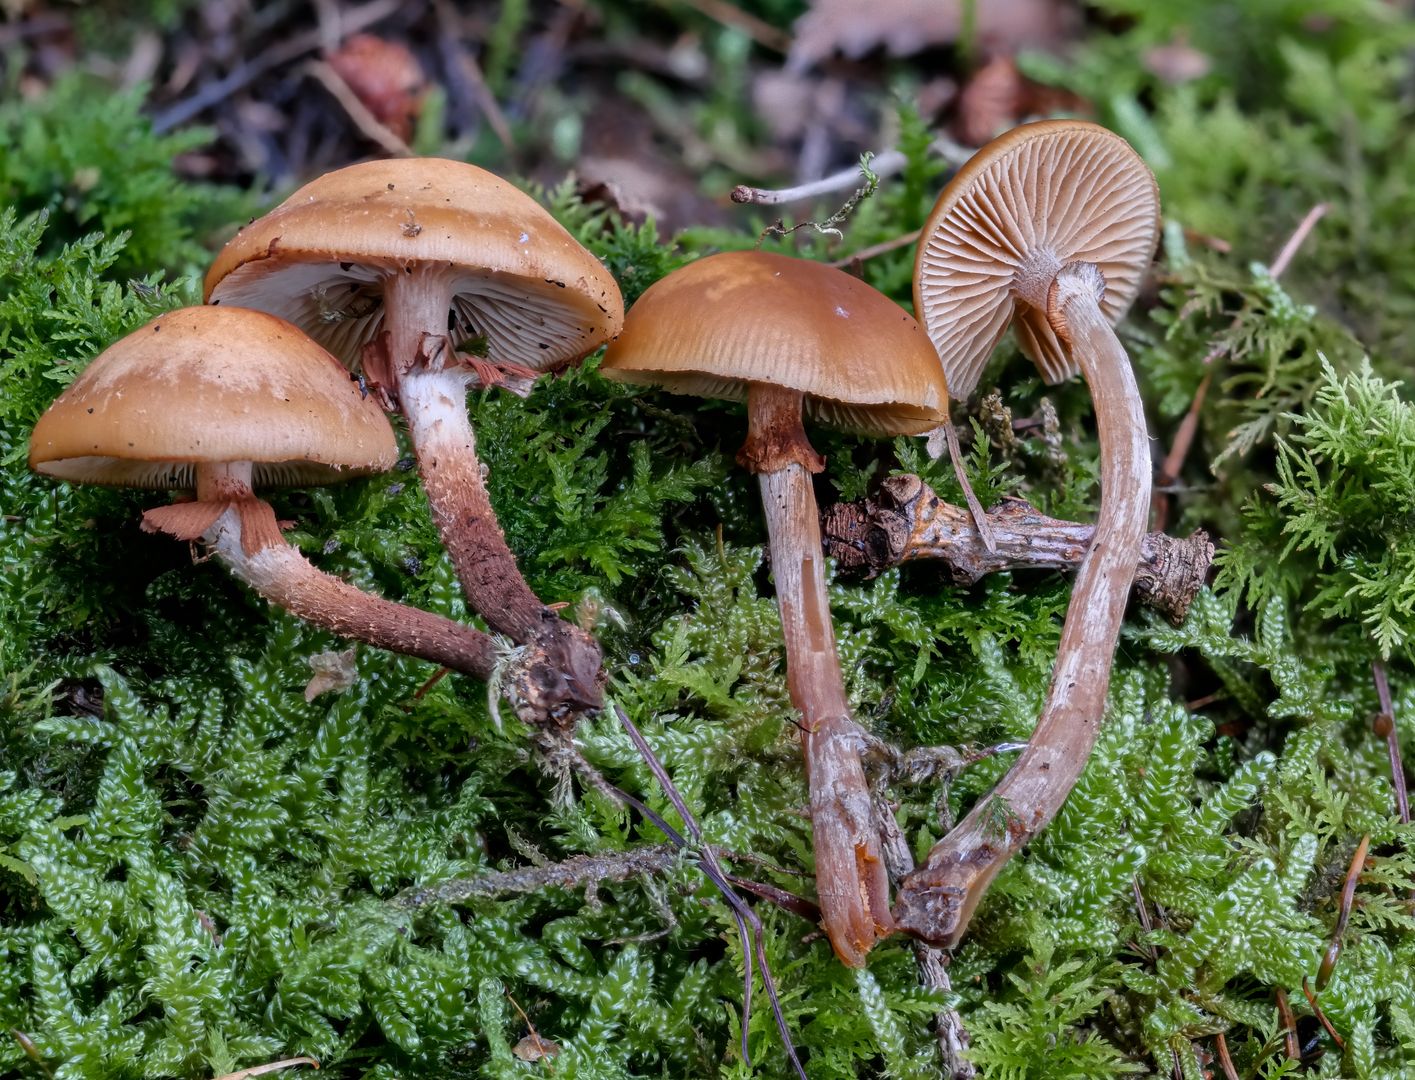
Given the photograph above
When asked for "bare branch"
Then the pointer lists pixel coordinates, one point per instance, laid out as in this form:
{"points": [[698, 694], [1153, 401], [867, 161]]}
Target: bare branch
{"points": [[907, 522]]}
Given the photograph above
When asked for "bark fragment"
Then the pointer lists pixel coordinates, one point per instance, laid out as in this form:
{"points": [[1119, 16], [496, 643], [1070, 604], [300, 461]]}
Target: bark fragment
{"points": [[906, 521]]}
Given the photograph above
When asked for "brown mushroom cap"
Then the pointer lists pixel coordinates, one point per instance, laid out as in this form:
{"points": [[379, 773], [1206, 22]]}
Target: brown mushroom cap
{"points": [[520, 280], [729, 320], [1031, 201], [207, 384]]}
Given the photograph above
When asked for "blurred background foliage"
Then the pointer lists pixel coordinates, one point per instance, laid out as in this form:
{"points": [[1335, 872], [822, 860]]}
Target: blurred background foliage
{"points": [[199, 870]]}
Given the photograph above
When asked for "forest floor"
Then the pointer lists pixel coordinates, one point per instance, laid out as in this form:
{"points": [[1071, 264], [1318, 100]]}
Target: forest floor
{"points": [[204, 869]]}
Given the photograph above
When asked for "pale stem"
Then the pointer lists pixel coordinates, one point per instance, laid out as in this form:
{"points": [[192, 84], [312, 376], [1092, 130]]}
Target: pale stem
{"points": [[283, 576], [937, 901], [851, 879], [432, 392]]}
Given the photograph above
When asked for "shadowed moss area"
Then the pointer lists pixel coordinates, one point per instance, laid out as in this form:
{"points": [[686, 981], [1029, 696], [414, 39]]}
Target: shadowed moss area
{"points": [[201, 871]]}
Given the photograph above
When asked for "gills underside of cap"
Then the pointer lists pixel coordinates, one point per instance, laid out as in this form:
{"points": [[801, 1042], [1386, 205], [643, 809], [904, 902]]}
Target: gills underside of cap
{"points": [[522, 282], [1038, 197], [879, 420], [509, 320], [181, 475]]}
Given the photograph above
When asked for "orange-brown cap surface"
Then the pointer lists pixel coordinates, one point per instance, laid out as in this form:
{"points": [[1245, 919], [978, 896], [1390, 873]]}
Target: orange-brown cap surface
{"points": [[207, 384], [521, 281], [1031, 201], [726, 321]]}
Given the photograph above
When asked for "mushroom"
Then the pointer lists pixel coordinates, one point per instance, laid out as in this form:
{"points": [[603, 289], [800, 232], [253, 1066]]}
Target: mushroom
{"points": [[399, 265], [788, 336], [220, 400], [1050, 227]]}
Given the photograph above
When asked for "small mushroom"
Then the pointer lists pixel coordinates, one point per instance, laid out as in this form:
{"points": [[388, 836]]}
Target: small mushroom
{"points": [[788, 336], [220, 400], [410, 267], [1049, 227]]}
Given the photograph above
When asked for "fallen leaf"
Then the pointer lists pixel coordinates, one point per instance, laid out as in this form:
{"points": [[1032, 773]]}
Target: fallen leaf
{"points": [[998, 97], [1176, 62], [991, 101], [333, 671], [535, 1047], [385, 77], [905, 27]]}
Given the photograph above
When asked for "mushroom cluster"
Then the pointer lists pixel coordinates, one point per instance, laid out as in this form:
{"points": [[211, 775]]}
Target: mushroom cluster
{"points": [[425, 278]]}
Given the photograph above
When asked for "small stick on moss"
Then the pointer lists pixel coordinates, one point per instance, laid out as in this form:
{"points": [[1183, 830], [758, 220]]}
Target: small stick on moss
{"points": [[1321, 1016], [1343, 914], [579, 871], [907, 522], [543, 1046], [759, 30], [370, 126], [1287, 1023], [884, 247], [274, 1066], [880, 165], [572, 875], [1146, 923], [713, 869], [884, 164], [32, 1051], [1385, 727], [829, 226], [953, 1040], [1225, 1062]]}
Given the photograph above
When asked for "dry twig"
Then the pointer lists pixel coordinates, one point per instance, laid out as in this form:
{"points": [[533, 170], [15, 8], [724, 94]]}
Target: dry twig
{"points": [[1321, 1016], [881, 165], [713, 869], [369, 125], [274, 1066], [1385, 726], [906, 522], [214, 93], [931, 960], [884, 247], [1343, 915], [760, 31]]}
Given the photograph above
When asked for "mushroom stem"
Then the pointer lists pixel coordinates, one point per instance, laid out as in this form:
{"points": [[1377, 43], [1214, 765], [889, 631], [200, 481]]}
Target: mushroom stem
{"points": [[231, 517], [850, 873], [432, 392], [287, 579], [937, 901]]}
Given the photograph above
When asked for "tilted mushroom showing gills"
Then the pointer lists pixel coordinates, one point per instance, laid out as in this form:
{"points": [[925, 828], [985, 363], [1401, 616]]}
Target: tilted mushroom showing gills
{"points": [[1032, 201], [401, 266], [220, 400], [789, 335], [1053, 223]]}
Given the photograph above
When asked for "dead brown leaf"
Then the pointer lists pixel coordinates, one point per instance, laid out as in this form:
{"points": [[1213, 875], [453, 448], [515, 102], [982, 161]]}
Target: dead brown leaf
{"points": [[905, 27], [333, 672], [535, 1048], [998, 96], [385, 77]]}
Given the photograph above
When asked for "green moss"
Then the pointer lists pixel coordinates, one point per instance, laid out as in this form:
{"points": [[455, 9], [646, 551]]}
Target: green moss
{"points": [[199, 870]]}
